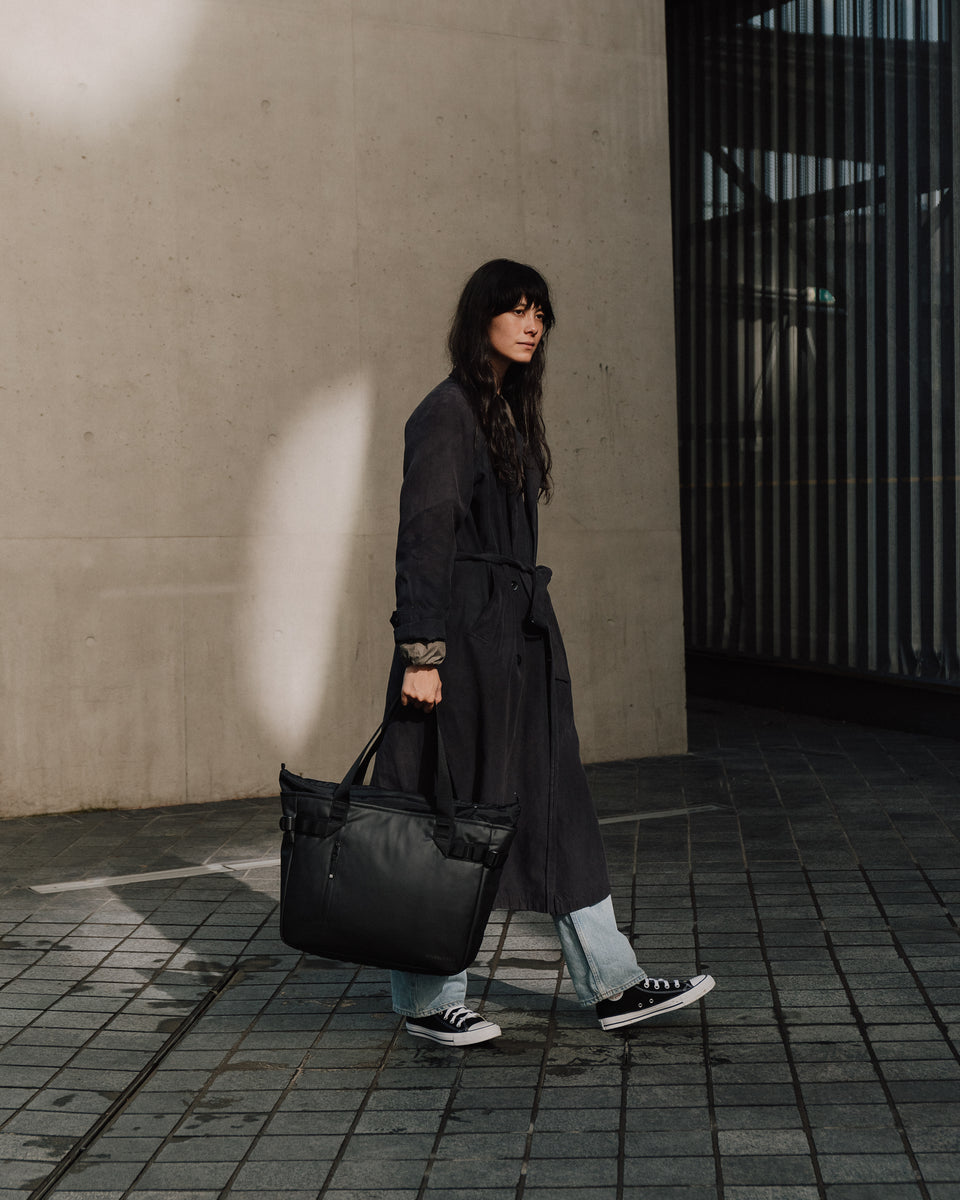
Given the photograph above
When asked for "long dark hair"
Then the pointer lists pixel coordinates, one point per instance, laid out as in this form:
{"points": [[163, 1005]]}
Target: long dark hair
{"points": [[495, 288]]}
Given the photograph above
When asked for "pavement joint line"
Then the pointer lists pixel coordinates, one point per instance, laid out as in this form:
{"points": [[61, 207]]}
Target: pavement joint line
{"points": [[782, 1026], [549, 1039], [663, 812], [78, 885], [83, 1144], [859, 1018], [710, 1092], [245, 1158]]}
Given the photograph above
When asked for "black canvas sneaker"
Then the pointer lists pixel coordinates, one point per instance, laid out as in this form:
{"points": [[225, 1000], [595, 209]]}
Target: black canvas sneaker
{"points": [[650, 998], [456, 1026]]}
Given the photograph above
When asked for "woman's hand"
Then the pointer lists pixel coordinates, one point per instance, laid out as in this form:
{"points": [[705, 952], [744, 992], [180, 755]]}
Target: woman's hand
{"points": [[421, 688]]}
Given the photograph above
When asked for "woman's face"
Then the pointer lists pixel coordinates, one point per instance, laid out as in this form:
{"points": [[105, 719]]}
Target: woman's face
{"points": [[514, 336]]}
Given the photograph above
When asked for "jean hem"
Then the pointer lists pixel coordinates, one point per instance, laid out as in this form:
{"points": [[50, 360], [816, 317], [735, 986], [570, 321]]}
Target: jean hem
{"points": [[420, 1016], [608, 992]]}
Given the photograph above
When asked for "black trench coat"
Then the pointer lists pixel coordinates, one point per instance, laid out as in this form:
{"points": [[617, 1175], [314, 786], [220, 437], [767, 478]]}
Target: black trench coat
{"points": [[466, 551]]}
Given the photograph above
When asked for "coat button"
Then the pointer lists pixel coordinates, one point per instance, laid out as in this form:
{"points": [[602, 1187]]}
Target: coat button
{"points": [[514, 585]]}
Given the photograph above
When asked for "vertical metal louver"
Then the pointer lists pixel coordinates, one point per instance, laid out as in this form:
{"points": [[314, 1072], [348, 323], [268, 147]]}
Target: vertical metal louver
{"points": [[814, 184]]}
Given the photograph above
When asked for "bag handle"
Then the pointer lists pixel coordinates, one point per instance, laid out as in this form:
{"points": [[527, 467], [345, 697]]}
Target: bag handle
{"points": [[443, 798], [358, 772]]}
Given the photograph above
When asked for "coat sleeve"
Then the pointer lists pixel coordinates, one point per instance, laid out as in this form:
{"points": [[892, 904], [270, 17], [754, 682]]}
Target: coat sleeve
{"points": [[438, 477]]}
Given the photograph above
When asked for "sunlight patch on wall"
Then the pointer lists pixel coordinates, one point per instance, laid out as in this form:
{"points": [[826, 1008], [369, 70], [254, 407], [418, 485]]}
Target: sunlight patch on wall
{"points": [[305, 519], [84, 63]]}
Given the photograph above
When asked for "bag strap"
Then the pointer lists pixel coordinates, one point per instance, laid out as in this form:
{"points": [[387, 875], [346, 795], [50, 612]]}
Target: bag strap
{"points": [[443, 798], [361, 763]]}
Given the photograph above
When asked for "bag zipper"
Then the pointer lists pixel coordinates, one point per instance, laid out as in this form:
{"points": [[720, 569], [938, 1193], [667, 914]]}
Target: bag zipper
{"points": [[333, 858], [331, 871]]}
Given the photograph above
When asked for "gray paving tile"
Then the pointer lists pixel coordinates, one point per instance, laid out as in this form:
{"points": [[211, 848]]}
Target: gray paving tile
{"points": [[274, 1147], [670, 1143], [20, 1055], [80, 1101], [92, 1080], [875, 1191], [656, 1119], [24, 1174], [777, 1192], [697, 1171], [315, 1100], [763, 1141], [387, 1194], [768, 1169], [885, 1140], [940, 1168], [866, 1168], [384, 1173], [31, 1147], [106, 1176], [753, 1094], [113, 1147], [67, 1038], [936, 1139], [332, 1079], [862, 1092], [166, 1194], [750, 1072], [213, 1147], [847, 1071], [153, 1102], [923, 1070], [543, 1193], [450, 1174], [938, 1091]]}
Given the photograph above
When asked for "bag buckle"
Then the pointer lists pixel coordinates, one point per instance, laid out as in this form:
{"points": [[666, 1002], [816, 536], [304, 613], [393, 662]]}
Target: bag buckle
{"points": [[474, 853]]}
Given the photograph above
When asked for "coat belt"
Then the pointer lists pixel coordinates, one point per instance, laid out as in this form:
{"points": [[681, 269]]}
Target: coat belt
{"points": [[540, 612]]}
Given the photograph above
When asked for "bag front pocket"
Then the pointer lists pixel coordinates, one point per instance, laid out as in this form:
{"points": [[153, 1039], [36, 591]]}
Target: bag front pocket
{"points": [[309, 867]]}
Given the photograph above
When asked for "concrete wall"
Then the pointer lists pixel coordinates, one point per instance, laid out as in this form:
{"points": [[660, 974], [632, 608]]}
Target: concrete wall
{"points": [[233, 235]]}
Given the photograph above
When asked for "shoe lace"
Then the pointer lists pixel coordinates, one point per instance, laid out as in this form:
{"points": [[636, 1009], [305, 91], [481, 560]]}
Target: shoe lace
{"points": [[657, 985], [458, 1015]]}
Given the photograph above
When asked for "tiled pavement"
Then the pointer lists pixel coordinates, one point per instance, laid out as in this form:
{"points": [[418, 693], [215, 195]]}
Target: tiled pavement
{"points": [[160, 1043]]}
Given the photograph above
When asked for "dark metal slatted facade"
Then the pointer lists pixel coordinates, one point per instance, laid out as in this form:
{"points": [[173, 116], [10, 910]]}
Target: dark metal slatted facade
{"points": [[814, 177]]}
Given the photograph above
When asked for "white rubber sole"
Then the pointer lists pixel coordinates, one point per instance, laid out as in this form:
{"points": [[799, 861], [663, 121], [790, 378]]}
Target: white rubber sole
{"points": [[701, 985], [468, 1037]]}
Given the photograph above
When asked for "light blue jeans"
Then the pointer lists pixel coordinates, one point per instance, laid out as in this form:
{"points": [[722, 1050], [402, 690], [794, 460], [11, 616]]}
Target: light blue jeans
{"points": [[599, 958]]}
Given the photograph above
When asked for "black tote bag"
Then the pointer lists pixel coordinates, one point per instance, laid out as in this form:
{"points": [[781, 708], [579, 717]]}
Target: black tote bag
{"points": [[384, 878]]}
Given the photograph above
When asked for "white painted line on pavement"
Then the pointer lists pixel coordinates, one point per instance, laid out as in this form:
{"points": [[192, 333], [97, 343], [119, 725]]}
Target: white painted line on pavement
{"points": [[661, 812], [148, 876]]}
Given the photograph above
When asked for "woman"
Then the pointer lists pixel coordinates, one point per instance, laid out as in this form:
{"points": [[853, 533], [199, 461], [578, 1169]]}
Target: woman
{"points": [[478, 641]]}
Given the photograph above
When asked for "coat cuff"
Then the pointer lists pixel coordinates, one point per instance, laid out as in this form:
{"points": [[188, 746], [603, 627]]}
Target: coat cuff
{"points": [[417, 626], [423, 654]]}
